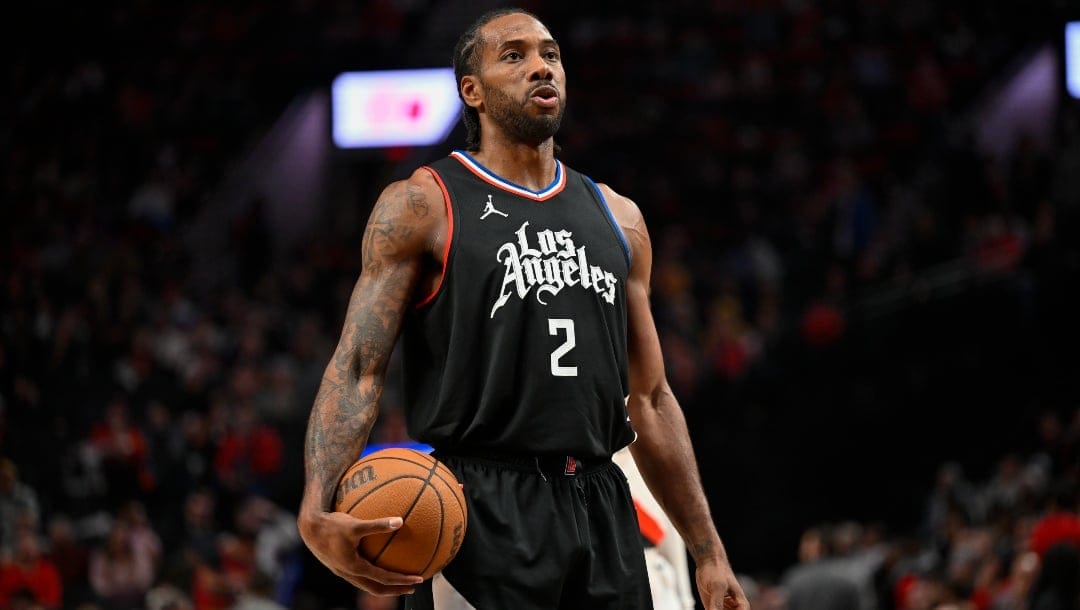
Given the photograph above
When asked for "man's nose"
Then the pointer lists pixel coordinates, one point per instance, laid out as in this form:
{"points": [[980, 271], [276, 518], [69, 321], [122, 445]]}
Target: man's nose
{"points": [[539, 68]]}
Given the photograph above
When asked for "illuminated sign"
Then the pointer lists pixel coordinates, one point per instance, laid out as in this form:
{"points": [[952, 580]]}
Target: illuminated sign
{"points": [[1072, 58], [394, 107]]}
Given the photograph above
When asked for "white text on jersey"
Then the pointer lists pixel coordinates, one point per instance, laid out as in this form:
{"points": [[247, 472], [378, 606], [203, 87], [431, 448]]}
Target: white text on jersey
{"points": [[553, 264]]}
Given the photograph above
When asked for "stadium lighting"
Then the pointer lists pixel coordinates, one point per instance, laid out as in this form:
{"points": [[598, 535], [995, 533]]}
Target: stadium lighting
{"points": [[1072, 58], [393, 107]]}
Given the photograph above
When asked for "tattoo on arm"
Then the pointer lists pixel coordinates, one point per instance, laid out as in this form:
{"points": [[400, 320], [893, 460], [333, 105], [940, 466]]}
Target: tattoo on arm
{"points": [[700, 550], [417, 200], [346, 406]]}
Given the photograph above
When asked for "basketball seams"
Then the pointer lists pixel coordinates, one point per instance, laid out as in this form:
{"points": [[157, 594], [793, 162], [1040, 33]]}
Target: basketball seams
{"points": [[444, 479], [426, 460], [456, 493], [438, 539], [405, 517], [455, 490]]}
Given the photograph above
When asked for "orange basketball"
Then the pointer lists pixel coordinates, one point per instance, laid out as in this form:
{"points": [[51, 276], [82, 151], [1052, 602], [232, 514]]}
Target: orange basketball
{"points": [[422, 491]]}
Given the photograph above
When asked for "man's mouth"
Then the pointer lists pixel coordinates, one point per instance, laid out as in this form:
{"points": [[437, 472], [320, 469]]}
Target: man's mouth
{"points": [[545, 96]]}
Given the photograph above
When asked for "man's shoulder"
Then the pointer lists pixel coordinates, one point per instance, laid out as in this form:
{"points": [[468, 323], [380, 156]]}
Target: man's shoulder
{"points": [[420, 179], [418, 189], [411, 210], [624, 209]]}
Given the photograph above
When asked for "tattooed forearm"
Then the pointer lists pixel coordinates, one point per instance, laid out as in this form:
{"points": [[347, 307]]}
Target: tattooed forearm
{"points": [[339, 426], [346, 406]]}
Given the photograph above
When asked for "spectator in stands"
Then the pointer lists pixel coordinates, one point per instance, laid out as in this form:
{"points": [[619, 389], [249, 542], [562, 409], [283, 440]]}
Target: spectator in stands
{"points": [[71, 558], [122, 570], [1060, 523], [819, 581], [1057, 587], [952, 493], [1016, 588], [249, 455], [144, 541], [19, 508], [259, 595], [275, 544], [122, 449], [167, 597], [29, 575]]}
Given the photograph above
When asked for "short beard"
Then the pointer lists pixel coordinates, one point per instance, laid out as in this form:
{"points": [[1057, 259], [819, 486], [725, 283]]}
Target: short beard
{"points": [[511, 116]]}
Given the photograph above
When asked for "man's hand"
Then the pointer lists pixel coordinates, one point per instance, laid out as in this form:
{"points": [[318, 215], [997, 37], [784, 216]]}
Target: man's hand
{"points": [[334, 538], [718, 587]]}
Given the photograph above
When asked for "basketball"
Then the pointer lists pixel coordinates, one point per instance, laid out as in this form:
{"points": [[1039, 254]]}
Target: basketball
{"points": [[413, 485]]}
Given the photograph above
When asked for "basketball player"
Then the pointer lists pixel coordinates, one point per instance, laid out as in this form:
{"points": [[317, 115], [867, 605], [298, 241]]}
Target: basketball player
{"points": [[520, 291]]}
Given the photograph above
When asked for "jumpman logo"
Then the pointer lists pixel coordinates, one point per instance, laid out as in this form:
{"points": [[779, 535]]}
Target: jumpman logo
{"points": [[489, 209]]}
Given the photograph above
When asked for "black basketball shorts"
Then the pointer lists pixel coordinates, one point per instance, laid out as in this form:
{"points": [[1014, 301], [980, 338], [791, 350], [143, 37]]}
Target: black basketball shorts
{"points": [[542, 534]]}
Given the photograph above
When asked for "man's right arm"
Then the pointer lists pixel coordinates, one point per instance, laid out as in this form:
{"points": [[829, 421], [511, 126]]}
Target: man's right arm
{"points": [[396, 251]]}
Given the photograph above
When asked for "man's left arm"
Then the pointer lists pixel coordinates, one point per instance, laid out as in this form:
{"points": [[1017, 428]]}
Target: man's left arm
{"points": [[662, 450]]}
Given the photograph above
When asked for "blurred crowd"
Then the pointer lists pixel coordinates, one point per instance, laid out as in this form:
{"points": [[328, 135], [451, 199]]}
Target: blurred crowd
{"points": [[804, 180], [1009, 542], [807, 154]]}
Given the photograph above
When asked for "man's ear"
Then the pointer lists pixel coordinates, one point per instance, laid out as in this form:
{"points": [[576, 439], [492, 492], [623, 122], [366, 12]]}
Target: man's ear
{"points": [[472, 91]]}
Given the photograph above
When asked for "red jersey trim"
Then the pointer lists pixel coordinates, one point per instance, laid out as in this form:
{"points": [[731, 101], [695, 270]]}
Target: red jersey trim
{"points": [[449, 237]]}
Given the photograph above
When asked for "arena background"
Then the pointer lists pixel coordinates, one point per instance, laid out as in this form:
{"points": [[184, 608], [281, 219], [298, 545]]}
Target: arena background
{"points": [[865, 219]]}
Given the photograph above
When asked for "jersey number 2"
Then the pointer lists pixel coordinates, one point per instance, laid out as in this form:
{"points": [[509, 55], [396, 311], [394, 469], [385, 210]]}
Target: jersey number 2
{"points": [[554, 326]]}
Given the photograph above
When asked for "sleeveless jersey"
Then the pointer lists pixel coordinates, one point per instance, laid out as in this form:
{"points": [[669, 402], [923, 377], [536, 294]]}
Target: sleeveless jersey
{"points": [[522, 349]]}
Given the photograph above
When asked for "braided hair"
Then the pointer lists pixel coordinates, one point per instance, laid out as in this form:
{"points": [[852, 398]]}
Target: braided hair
{"points": [[467, 62]]}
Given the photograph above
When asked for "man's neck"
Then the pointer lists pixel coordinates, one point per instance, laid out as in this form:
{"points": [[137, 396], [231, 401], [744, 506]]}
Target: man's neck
{"points": [[532, 167]]}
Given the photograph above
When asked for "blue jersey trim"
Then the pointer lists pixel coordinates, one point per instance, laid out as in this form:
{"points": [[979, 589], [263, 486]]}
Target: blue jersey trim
{"points": [[513, 185], [611, 219]]}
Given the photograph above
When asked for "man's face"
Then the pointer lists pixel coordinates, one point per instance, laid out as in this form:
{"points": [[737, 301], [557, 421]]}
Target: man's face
{"points": [[522, 78]]}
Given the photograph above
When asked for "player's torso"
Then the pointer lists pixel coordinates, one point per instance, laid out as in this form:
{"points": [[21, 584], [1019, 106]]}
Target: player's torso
{"points": [[524, 345]]}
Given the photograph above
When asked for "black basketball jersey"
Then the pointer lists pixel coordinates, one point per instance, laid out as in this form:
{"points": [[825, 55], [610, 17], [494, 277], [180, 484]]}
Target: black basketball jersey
{"points": [[522, 349]]}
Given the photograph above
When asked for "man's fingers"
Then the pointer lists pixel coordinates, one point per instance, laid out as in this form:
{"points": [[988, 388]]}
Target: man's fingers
{"points": [[342, 555], [374, 587], [382, 590], [378, 575], [733, 601], [366, 527], [360, 568]]}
